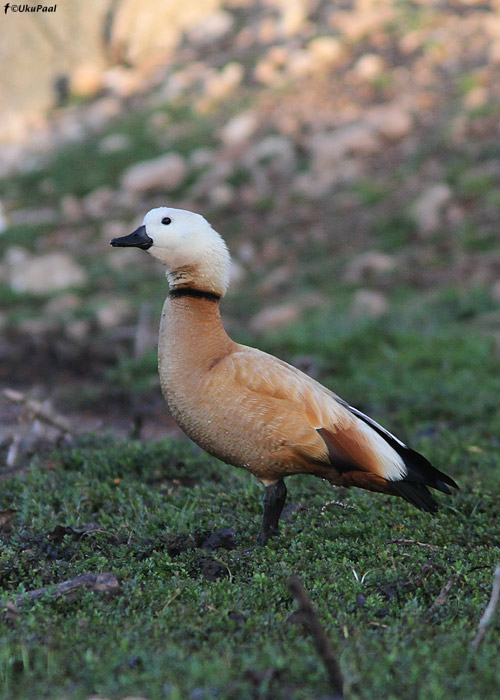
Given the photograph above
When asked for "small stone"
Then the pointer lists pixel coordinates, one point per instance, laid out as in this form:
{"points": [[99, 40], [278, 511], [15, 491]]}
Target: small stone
{"points": [[71, 207], [86, 80], [213, 28], [247, 253], [494, 52], [45, 274], [97, 203], [62, 304], [391, 121], [312, 185], [212, 177], [164, 173], [267, 72], [300, 64], [368, 302], [237, 275], [37, 326], [176, 84], [201, 158], [476, 97], [293, 17], [368, 265], [275, 152], [238, 130], [277, 278], [3, 219], [97, 115], [274, 317], [113, 312], [158, 122], [15, 256], [364, 20], [369, 66], [328, 148], [326, 50], [221, 84], [114, 143], [122, 81], [495, 291], [428, 206], [221, 195], [412, 41], [78, 330]]}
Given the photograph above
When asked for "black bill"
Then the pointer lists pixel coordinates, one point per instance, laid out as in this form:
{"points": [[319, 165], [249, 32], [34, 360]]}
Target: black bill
{"points": [[137, 239]]}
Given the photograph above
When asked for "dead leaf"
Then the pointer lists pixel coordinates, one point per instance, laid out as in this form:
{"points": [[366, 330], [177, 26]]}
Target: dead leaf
{"points": [[5, 519]]}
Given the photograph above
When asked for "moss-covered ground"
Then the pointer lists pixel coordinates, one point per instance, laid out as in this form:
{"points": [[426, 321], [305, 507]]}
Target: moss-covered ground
{"points": [[191, 621]]}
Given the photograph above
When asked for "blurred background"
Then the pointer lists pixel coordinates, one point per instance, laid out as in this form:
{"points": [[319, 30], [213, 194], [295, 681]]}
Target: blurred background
{"points": [[348, 152]]}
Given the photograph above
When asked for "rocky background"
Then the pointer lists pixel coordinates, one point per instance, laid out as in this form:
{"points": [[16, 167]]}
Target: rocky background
{"points": [[347, 151]]}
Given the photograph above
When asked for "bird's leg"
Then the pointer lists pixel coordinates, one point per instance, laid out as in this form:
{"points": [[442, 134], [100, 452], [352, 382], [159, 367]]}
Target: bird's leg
{"points": [[274, 500]]}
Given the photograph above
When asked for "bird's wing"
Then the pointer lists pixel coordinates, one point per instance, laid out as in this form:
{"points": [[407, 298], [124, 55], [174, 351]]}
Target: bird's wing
{"points": [[321, 423], [363, 452]]}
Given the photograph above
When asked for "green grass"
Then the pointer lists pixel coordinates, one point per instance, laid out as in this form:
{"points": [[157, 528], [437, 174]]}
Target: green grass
{"points": [[190, 623]]}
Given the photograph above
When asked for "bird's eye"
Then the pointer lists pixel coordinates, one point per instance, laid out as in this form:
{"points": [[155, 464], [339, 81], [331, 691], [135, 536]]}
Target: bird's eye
{"points": [[166, 220]]}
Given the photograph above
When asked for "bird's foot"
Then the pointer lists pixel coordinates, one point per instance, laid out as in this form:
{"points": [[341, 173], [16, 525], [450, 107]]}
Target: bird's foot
{"points": [[265, 536]]}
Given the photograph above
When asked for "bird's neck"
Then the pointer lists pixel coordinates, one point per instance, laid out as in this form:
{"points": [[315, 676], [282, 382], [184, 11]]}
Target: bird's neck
{"points": [[208, 274], [191, 330]]}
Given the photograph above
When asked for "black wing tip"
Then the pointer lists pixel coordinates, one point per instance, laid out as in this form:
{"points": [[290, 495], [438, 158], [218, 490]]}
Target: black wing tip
{"points": [[419, 495], [444, 487], [439, 486], [416, 494], [448, 480], [421, 471]]}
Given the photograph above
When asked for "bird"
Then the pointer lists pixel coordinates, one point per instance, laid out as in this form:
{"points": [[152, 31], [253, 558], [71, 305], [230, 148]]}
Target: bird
{"points": [[250, 409]]}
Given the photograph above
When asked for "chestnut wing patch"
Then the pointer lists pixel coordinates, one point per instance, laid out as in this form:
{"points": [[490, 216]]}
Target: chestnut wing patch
{"points": [[345, 451], [352, 460]]}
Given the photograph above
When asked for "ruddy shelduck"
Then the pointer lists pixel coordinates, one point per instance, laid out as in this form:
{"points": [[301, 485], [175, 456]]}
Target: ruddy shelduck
{"points": [[249, 408]]}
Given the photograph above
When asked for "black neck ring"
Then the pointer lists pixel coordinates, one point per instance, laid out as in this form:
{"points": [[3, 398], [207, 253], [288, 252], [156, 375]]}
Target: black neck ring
{"points": [[194, 293]]}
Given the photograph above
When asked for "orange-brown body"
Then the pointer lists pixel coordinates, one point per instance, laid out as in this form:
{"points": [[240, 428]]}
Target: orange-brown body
{"points": [[251, 409]]}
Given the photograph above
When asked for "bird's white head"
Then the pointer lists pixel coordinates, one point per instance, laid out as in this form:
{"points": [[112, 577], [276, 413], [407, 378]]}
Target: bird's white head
{"points": [[194, 254]]}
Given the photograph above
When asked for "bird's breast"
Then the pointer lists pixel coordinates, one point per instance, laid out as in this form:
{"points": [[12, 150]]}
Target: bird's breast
{"points": [[199, 391]]}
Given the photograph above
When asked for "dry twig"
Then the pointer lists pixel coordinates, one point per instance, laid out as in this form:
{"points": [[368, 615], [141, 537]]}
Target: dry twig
{"points": [[99, 583], [489, 611], [419, 544], [320, 640], [38, 410], [12, 452], [442, 597]]}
